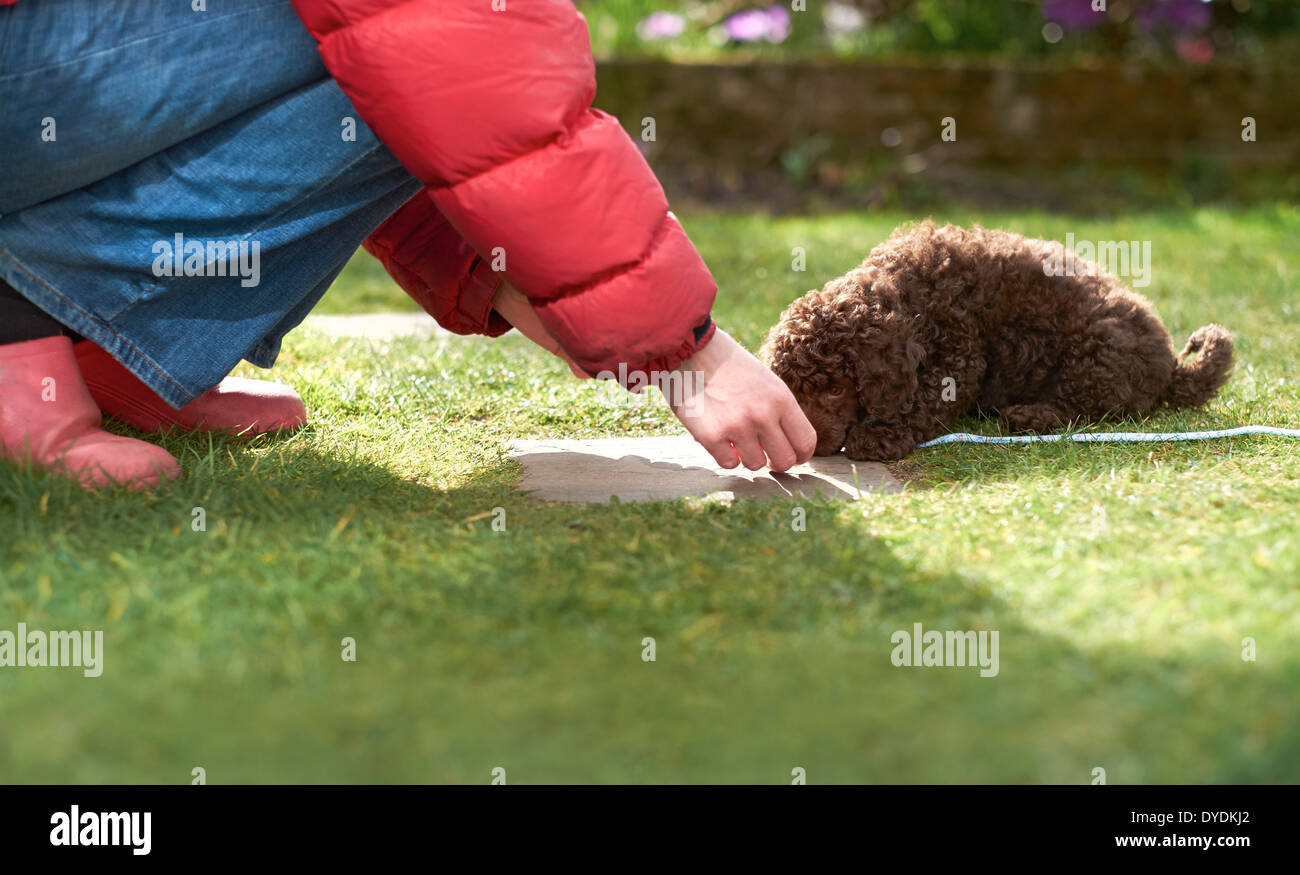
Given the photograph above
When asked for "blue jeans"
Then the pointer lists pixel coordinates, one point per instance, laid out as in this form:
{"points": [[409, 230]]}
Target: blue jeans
{"points": [[180, 187]]}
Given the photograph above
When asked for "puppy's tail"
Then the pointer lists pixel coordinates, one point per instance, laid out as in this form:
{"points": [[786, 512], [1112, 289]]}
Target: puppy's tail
{"points": [[1204, 366]]}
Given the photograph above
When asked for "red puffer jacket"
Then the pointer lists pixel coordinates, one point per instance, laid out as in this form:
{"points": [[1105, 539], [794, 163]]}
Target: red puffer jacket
{"points": [[491, 111]]}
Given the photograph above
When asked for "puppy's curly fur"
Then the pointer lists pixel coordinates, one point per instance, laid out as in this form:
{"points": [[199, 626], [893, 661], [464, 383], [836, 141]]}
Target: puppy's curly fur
{"points": [[937, 322]]}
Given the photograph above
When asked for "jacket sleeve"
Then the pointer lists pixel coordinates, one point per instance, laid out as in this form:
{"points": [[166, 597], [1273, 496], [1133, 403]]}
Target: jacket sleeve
{"points": [[491, 111], [434, 265]]}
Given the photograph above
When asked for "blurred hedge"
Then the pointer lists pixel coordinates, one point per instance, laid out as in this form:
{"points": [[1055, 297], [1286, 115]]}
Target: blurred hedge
{"points": [[1187, 31]]}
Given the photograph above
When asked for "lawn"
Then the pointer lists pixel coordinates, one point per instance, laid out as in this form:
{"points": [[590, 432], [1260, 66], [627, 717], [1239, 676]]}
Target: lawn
{"points": [[1122, 579]]}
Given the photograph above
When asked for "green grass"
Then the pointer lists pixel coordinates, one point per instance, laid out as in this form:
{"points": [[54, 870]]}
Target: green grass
{"points": [[1121, 579]]}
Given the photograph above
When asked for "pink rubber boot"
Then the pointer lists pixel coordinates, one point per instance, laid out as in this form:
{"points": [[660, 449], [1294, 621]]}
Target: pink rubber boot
{"points": [[47, 417], [235, 405]]}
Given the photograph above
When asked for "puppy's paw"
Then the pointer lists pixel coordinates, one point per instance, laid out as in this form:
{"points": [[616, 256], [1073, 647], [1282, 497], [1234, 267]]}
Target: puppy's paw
{"points": [[878, 442], [1039, 418]]}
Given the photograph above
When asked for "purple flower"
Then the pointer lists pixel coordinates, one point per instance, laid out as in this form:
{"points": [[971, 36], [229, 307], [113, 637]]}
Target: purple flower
{"points": [[771, 24], [1072, 14], [1179, 15], [661, 25]]}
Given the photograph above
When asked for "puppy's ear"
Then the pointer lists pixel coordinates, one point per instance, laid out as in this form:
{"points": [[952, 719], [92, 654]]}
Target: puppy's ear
{"points": [[887, 359]]}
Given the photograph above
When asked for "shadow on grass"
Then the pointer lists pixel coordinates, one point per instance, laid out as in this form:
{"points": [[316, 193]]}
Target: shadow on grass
{"points": [[526, 648]]}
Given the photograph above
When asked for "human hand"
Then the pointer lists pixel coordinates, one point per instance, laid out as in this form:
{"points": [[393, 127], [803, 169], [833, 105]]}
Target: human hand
{"points": [[513, 307], [738, 410]]}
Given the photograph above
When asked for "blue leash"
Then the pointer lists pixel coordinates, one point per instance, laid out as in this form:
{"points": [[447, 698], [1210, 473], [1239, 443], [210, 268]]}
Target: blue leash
{"points": [[1131, 437]]}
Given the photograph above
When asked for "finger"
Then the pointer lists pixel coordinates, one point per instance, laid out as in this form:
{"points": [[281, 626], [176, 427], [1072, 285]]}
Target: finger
{"points": [[749, 449], [800, 433], [720, 449], [780, 455]]}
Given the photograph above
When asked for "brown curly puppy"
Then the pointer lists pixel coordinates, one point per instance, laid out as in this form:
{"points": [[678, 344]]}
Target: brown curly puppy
{"points": [[941, 321]]}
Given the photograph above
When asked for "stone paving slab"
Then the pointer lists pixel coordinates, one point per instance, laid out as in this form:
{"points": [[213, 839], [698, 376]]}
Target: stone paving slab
{"points": [[673, 466], [377, 326]]}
